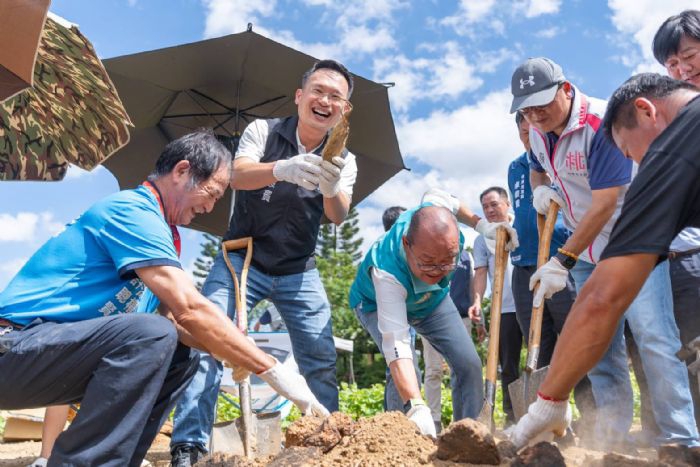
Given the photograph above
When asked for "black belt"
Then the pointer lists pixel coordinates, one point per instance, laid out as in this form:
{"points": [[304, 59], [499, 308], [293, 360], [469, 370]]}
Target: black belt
{"points": [[680, 254]]}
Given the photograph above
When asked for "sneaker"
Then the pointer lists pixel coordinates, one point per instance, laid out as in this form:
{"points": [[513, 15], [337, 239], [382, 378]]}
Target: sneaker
{"points": [[186, 455]]}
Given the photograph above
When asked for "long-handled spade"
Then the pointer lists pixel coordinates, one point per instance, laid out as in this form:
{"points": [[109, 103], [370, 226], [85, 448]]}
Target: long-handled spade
{"points": [[486, 415], [523, 391], [251, 434]]}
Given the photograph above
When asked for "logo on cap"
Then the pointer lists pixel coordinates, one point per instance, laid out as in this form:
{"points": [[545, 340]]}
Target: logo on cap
{"points": [[530, 81]]}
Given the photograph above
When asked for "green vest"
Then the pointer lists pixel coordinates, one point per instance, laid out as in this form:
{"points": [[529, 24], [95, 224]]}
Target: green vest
{"points": [[388, 254]]}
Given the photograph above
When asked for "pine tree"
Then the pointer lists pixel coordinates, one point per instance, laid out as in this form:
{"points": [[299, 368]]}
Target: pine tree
{"points": [[349, 242], [202, 265], [327, 242]]}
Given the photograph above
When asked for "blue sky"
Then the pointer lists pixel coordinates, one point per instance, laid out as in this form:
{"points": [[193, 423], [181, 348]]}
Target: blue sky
{"points": [[451, 62]]}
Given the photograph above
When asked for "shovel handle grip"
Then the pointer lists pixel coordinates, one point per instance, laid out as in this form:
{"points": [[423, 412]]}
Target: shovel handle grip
{"points": [[242, 288], [546, 229], [496, 303]]}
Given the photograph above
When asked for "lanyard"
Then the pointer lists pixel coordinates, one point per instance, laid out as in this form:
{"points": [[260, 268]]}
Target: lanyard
{"points": [[173, 228]]}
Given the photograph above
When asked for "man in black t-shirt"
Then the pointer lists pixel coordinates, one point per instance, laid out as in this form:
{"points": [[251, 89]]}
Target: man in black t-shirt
{"points": [[655, 121]]}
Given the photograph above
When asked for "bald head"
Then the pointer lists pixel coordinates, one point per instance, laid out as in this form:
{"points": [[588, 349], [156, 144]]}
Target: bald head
{"points": [[432, 224]]}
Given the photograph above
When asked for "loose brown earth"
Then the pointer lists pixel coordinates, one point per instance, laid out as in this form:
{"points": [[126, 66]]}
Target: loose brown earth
{"points": [[390, 439]]}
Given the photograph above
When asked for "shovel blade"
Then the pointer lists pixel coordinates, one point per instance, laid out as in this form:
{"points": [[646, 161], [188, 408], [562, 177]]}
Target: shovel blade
{"points": [[523, 391], [227, 437]]}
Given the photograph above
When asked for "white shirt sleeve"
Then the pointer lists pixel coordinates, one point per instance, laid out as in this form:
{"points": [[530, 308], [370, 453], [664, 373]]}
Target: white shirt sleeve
{"points": [[253, 140], [391, 316], [348, 175], [441, 198]]}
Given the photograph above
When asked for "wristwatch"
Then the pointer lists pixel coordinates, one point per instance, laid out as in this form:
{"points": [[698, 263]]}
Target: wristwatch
{"points": [[411, 403], [567, 261]]}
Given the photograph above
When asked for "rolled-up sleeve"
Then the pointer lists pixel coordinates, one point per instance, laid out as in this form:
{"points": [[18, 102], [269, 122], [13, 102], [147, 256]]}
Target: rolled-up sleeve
{"points": [[391, 316]]}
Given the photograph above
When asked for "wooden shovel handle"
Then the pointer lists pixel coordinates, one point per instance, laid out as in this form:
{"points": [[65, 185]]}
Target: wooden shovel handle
{"points": [[546, 229], [242, 288], [496, 303]]}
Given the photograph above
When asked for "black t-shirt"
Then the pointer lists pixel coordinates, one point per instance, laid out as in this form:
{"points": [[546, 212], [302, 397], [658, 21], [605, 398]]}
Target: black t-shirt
{"points": [[664, 197], [460, 287]]}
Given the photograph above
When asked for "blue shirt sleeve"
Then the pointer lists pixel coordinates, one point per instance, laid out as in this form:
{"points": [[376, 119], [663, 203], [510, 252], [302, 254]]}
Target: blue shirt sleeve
{"points": [[135, 235], [534, 163], [607, 167]]}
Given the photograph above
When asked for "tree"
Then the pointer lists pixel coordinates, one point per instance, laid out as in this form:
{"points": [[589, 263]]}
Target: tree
{"points": [[202, 265], [327, 242], [349, 242]]}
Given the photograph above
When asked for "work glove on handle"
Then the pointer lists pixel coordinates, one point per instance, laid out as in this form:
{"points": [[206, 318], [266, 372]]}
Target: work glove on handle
{"points": [[421, 416], [543, 418], [488, 230], [552, 277], [542, 196], [292, 386], [302, 170], [329, 178]]}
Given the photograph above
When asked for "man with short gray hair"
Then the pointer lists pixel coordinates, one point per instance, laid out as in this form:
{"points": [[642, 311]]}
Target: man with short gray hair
{"points": [[74, 327]]}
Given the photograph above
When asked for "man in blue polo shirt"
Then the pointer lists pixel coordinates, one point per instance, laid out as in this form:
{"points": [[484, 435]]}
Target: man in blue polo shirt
{"points": [[524, 259], [68, 331], [404, 281]]}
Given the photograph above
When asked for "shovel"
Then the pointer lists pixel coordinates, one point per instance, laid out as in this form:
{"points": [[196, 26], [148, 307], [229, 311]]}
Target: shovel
{"points": [[248, 435], [523, 391], [486, 415]]}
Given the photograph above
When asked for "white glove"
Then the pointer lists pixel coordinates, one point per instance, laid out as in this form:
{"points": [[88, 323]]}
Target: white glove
{"points": [[421, 416], [302, 170], [488, 230], [543, 417], [39, 462], [552, 277], [292, 386], [542, 196], [441, 198], [329, 179]]}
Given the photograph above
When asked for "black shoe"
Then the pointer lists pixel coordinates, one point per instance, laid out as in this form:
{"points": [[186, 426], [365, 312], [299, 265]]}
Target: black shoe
{"points": [[186, 455]]}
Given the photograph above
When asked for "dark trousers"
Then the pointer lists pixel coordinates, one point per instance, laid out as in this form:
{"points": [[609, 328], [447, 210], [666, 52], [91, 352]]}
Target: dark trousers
{"points": [[127, 371], [510, 343], [556, 309]]}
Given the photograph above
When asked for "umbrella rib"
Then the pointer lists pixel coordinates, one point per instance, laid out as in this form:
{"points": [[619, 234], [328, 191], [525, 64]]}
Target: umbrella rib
{"points": [[205, 110], [201, 94]]}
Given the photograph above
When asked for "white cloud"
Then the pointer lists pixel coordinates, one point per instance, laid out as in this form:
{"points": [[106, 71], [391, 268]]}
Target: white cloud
{"points": [[9, 268], [549, 32], [28, 226], [444, 74], [639, 20], [469, 13], [232, 16], [75, 172], [534, 8]]}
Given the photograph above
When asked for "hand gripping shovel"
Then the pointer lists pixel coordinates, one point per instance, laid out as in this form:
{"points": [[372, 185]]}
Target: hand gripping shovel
{"points": [[250, 434], [523, 391], [486, 415]]}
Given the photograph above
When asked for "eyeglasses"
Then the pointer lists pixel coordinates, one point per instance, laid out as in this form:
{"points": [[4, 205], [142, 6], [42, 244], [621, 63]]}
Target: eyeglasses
{"points": [[424, 267], [333, 98], [537, 108]]}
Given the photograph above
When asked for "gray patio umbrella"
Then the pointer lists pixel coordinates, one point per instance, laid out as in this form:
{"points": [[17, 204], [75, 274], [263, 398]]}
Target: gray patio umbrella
{"points": [[224, 84]]}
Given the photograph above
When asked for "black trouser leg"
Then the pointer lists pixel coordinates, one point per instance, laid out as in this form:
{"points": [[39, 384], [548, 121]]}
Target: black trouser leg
{"points": [[510, 344]]}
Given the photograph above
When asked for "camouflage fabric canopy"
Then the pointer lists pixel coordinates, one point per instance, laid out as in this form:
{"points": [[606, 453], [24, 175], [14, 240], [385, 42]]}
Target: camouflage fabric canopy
{"points": [[72, 114]]}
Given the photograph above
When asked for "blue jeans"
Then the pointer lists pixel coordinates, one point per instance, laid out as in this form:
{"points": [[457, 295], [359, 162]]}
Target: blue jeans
{"points": [[650, 317], [444, 329], [301, 301]]}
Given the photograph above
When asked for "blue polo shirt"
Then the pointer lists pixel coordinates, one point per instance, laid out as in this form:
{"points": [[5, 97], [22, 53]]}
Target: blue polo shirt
{"points": [[388, 254], [88, 270], [526, 216]]}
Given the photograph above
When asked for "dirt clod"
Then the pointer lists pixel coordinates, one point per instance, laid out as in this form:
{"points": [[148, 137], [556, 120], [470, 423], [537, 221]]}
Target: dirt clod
{"points": [[678, 455], [300, 430], [468, 441], [614, 459], [541, 455], [296, 457], [506, 450]]}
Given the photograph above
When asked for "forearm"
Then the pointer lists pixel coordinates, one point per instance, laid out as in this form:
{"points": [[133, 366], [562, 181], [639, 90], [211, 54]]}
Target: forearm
{"points": [[183, 334], [251, 175], [593, 319], [539, 179], [466, 216], [336, 208], [590, 225], [404, 375], [479, 285]]}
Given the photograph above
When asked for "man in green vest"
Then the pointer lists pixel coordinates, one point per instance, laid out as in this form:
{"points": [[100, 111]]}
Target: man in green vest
{"points": [[404, 281]]}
